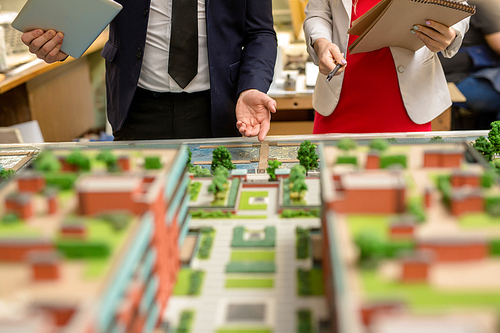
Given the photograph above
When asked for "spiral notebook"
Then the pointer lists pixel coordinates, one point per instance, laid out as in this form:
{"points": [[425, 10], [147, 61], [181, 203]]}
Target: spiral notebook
{"points": [[81, 21], [389, 23]]}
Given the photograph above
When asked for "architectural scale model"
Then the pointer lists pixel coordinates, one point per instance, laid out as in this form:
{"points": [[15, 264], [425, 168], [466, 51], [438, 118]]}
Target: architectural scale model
{"points": [[89, 240], [338, 236], [411, 238]]}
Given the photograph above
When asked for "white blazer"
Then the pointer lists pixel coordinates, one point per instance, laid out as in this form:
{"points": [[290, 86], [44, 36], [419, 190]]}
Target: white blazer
{"points": [[421, 78]]}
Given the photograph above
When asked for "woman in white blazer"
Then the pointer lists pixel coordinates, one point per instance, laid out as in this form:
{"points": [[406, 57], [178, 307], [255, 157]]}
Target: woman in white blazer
{"points": [[420, 78]]}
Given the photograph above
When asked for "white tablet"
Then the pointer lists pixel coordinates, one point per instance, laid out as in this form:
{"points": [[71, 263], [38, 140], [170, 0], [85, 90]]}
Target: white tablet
{"points": [[80, 21]]}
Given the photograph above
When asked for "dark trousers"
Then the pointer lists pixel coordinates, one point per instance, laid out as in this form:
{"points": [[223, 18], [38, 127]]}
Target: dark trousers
{"points": [[155, 116]]}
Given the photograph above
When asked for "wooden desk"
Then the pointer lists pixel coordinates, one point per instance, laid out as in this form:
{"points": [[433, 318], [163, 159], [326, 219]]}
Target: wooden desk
{"points": [[58, 96], [294, 115]]}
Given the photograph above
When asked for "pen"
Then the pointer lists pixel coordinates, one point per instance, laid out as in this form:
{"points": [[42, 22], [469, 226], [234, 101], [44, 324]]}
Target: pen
{"points": [[333, 72]]}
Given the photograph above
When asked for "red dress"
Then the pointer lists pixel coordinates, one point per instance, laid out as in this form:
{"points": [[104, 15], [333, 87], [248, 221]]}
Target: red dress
{"points": [[370, 100]]}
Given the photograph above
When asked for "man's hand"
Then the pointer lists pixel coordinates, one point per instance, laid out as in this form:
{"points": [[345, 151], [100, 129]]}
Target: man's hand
{"points": [[45, 45], [253, 113], [436, 36]]}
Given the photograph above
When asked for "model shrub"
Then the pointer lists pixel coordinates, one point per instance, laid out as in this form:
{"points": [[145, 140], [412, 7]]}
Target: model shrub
{"points": [[271, 169], [444, 186], [251, 267], [195, 281], [494, 247], [63, 181], [74, 249], [117, 220], [304, 320], [152, 162], [396, 249], [206, 242], [185, 322], [291, 213], [488, 179], [494, 135], [199, 171], [10, 218], [483, 146], [233, 192], [194, 190], [493, 206], [417, 209], [371, 248], [304, 282], [302, 243], [379, 144], [6, 174], [391, 160], [78, 159], [347, 160], [201, 214]]}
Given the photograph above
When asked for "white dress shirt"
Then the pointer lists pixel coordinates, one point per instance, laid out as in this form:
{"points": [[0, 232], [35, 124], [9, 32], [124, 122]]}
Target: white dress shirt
{"points": [[154, 72]]}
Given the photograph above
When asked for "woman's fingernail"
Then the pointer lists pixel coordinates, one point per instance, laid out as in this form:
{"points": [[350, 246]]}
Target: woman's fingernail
{"points": [[415, 27], [428, 22], [343, 62], [412, 31]]}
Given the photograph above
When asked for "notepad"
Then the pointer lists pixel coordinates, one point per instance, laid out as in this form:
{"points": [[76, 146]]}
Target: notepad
{"points": [[81, 21], [389, 23]]}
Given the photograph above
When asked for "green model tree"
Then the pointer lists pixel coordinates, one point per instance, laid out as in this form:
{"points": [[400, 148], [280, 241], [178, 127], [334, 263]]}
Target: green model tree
{"points": [[219, 182], [307, 155], [79, 160], [189, 165], [297, 172], [485, 147], [6, 174], [379, 144], [271, 169], [46, 161], [221, 156], [299, 189], [199, 171], [109, 159], [494, 136], [347, 144]]}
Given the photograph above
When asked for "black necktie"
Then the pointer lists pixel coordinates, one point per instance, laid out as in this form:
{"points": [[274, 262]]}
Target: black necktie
{"points": [[183, 57]]}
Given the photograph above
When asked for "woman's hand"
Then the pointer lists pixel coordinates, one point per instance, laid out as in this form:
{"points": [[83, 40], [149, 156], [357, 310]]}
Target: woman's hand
{"points": [[329, 56], [436, 36]]}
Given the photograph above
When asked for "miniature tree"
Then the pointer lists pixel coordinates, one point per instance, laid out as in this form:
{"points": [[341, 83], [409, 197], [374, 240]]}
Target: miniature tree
{"points": [[271, 169], [494, 135], [189, 165], [379, 144], [436, 139], [109, 159], [222, 156], [46, 161], [218, 185], [221, 171], [299, 189], [307, 155], [6, 173], [347, 144], [296, 172], [485, 147], [78, 159], [152, 162], [198, 171]]}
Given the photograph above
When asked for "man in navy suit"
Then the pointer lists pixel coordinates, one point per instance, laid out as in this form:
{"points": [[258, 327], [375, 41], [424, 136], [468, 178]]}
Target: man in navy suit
{"points": [[236, 56]]}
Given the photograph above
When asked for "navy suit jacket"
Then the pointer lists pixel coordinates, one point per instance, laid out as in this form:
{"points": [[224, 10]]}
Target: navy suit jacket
{"points": [[241, 54]]}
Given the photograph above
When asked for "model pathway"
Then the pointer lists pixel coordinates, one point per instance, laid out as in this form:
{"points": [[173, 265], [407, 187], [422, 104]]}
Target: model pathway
{"points": [[281, 302]]}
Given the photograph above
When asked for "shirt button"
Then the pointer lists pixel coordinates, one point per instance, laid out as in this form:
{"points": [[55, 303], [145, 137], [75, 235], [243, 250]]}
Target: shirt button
{"points": [[145, 13], [401, 69], [138, 54]]}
